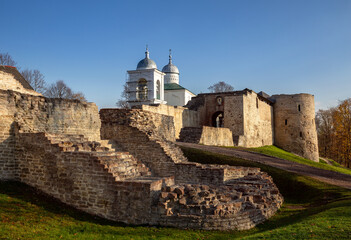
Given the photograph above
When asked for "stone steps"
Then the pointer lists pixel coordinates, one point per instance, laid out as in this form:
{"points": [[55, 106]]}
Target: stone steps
{"points": [[120, 164]]}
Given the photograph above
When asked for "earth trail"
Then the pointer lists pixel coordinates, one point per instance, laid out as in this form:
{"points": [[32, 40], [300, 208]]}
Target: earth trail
{"points": [[335, 178]]}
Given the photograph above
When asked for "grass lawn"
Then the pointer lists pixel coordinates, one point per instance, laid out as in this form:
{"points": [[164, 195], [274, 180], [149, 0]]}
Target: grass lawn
{"points": [[280, 153], [312, 210]]}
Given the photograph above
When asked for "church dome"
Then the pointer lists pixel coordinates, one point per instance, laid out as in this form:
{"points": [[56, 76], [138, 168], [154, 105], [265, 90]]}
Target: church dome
{"points": [[146, 63], [170, 68]]}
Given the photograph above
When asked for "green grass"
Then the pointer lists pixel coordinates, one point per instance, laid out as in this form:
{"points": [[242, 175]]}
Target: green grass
{"points": [[280, 153], [311, 210], [322, 161]]}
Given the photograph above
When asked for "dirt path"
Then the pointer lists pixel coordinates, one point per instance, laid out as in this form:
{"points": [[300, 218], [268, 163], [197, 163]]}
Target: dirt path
{"points": [[330, 177]]}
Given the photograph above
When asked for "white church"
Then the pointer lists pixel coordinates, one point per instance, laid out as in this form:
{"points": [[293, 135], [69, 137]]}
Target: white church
{"points": [[147, 85]]}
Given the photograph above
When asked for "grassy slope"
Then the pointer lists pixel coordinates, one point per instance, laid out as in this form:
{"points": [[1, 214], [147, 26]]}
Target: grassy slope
{"points": [[311, 210], [280, 153]]}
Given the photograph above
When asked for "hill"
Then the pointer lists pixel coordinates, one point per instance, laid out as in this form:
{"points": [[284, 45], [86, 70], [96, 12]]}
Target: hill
{"points": [[312, 209]]}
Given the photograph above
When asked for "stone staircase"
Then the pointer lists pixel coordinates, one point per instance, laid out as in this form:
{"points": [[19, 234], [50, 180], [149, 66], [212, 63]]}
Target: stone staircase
{"points": [[120, 164], [190, 134], [173, 151]]}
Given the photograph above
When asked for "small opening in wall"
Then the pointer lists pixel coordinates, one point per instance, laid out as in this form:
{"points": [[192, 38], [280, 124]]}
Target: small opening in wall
{"points": [[300, 134], [299, 108], [256, 102], [286, 121]]}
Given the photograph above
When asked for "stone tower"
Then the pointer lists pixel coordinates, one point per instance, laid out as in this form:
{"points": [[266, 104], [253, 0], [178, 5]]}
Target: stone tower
{"points": [[145, 84], [294, 124]]}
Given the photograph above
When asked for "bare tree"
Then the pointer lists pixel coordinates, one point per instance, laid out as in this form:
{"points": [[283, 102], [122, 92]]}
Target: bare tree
{"points": [[79, 96], [221, 87], [122, 102], [325, 131], [36, 79], [6, 59], [59, 89]]}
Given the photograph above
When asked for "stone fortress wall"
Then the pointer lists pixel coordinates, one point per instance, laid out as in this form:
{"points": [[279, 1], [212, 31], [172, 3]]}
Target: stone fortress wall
{"points": [[182, 117], [98, 162], [28, 113], [295, 126], [246, 114], [134, 175]]}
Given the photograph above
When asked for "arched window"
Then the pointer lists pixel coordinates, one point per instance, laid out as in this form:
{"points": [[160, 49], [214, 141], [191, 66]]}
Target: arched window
{"points": [[141, 90], [158, 89]]}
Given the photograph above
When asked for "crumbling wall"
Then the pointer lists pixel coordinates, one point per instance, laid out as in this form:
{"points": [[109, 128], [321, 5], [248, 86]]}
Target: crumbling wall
{"points": [[182, 117], [27, 113], [8, 164], [86, 180], [148, 136], [51, 115], [11, 79]]}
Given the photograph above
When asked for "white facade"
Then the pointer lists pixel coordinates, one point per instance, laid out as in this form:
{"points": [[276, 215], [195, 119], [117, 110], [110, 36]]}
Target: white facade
{"points": [[178, 97], [146, 87], [146, 84]]}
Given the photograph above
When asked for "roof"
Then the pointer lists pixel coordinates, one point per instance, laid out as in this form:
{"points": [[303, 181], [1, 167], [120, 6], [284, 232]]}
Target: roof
{"points": [[175, 86], [146, 63], [16, 74], [170, 68]]}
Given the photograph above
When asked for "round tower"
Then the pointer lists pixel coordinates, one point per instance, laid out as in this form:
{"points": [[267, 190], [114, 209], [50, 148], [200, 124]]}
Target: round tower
{"points": [[294, 124]]}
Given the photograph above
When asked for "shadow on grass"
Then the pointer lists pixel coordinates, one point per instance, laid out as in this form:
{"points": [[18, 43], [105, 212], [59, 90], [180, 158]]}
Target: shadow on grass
{"points": [[34, 196], [315, 196], [295, 188]]}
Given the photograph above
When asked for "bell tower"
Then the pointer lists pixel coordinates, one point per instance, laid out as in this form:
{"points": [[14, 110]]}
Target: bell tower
{"points": [[145, 85]]}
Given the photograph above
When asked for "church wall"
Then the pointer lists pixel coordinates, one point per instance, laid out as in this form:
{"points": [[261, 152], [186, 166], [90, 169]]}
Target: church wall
{"points": [[188, 96], [294, 123], [182, 117], [258, 121], [175, 97]]}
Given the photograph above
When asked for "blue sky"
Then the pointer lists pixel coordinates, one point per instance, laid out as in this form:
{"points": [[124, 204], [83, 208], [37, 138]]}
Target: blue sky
{"points": [[277, 46]]}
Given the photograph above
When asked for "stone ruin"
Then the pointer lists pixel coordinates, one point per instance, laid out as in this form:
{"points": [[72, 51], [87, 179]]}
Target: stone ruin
{"points": [[123, 165]]}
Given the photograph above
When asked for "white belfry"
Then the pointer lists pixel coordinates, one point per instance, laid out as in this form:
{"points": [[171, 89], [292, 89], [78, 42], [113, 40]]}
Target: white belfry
{"points": [[147, 85]]}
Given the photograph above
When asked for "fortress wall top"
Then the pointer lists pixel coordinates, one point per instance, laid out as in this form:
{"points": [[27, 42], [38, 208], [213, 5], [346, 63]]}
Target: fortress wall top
{"points": [[295, 127], [51, 115]]}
